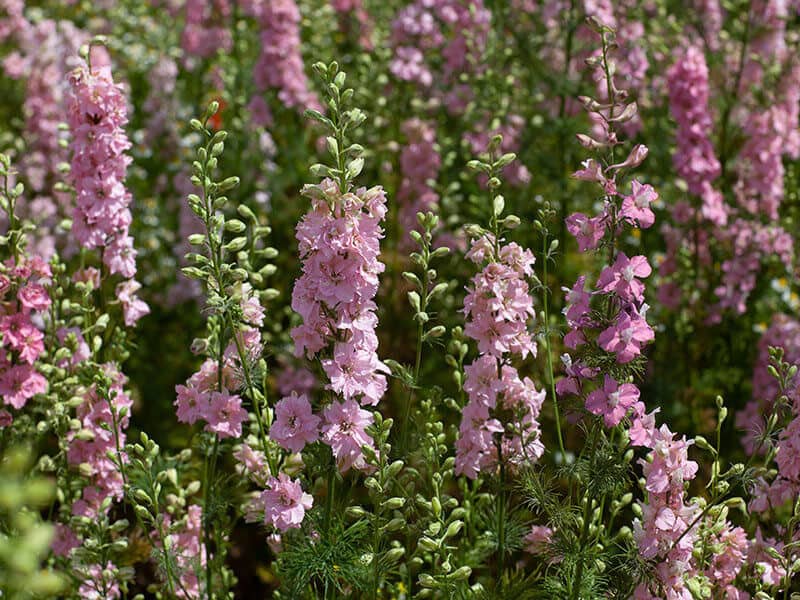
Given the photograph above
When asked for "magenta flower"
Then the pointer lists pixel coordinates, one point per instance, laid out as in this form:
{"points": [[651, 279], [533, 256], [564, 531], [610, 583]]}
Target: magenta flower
{"points": [[285, 502], [613, 401], [578, 300], [576, 372], [591, 171], [295, 425]]}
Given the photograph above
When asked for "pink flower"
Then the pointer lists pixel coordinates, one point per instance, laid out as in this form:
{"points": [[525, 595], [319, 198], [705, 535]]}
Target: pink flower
{"points": [[626, 336], [356, 372], [588, 232], [498, 307], [591, 171], [295, 425], [475, 448], [344, 430], [64, 540], [636, 157], [133, 308], [34, 297], [225, 415], [613, 401], [6, 418], [670, 466], [537, 540], [98, 586], [20, 335], [253, 461], [252, 311], [636, 207], [191, 404], [20, 383], [481, 381], [642, 430], [621, 277], [576, 372], [280, 61], [285, 502]]}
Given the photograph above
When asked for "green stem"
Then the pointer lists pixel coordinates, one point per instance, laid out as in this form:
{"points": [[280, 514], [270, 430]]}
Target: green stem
{"points": [[329, 499], [207, 480], [550, 372], [251, 392], [501, 515], [423, 305], [576, 590], [167, 562]]}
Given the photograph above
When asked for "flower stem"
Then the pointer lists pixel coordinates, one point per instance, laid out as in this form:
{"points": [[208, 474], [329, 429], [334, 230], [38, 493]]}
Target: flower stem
{"points": [[550, 373]]}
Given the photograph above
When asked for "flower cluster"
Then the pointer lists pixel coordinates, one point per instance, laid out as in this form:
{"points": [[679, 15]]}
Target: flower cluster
{"points": [[47, 52], [97, 117], [203, 34], [694, 156], [339, 245], [205, 398], [25, 298], [104, 419], [666, 528], [500, 421], [452, 30], [419, 164], [280, 63], [209, 394]]}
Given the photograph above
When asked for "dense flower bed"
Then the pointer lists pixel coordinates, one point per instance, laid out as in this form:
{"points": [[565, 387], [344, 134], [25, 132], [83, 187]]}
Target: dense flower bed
{"points": [[403, 299]]}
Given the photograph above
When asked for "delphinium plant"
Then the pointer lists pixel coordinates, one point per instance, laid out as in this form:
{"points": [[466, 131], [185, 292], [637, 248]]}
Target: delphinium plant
{"points": [[220, 378]]}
